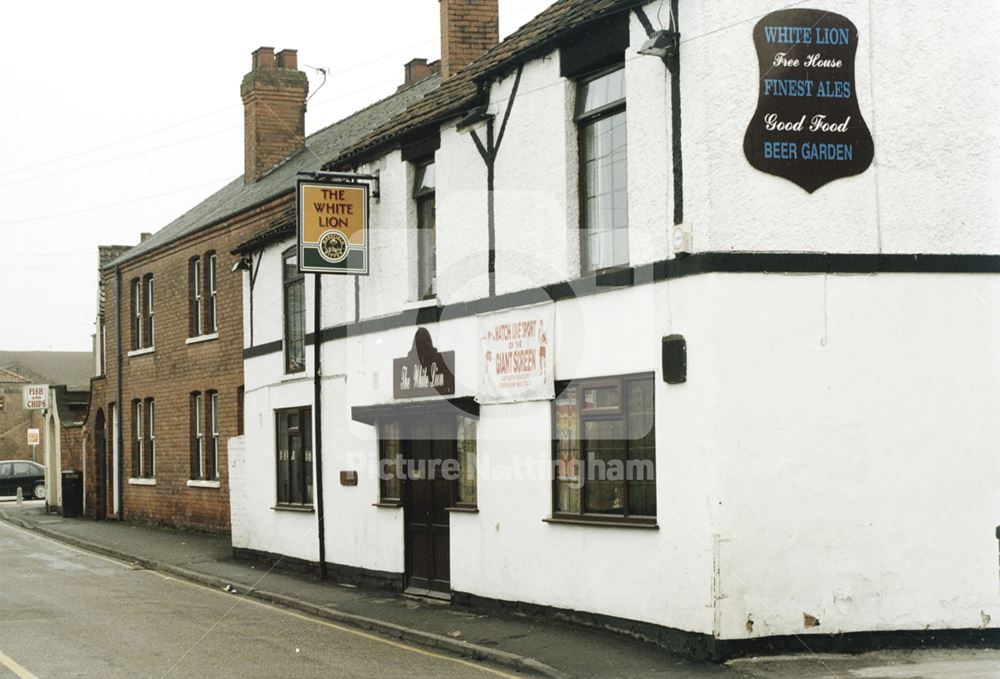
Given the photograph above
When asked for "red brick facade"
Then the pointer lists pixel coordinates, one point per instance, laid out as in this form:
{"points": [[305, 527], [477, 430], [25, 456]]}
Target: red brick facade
{"points": [[468, 29], [176, 368]]}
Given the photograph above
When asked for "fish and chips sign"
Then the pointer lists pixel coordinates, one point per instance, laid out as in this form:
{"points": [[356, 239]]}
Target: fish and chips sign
{"points": [[333, 227], [36, 396], [515, 355]]}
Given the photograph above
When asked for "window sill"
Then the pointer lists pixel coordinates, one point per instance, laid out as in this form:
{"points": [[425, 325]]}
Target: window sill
{"points": [[301, 509], [141, 482], [388, 505], [202, 338], [295, 377], [602, 522], [199, 483], [463, 510], [141, 352]]}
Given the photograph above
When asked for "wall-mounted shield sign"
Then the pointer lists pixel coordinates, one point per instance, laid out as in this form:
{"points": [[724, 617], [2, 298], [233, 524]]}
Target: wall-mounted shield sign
{"points": [[808, 126], [333, 227]]}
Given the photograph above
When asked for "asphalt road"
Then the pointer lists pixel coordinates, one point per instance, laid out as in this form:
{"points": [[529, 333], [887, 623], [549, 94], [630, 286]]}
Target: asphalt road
{"points": [[68, 613]]}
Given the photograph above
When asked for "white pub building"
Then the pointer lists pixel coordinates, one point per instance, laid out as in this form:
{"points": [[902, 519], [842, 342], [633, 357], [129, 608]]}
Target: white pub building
{"points": [[691, 335]]}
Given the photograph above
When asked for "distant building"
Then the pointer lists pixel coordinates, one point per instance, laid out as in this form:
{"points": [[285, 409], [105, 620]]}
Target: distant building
{"points": [[67, 374], [168, 394]]}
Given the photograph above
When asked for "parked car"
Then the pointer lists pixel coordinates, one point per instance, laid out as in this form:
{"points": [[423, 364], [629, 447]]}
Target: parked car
{"points": [[24, 474]]}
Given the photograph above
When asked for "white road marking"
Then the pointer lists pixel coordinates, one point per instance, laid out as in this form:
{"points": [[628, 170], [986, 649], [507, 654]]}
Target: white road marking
{"points": [[12, 665]]}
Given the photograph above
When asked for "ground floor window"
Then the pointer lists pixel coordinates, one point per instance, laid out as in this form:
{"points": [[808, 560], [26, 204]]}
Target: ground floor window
{"points": [[294, 456], [604, 448], [441, 447]]}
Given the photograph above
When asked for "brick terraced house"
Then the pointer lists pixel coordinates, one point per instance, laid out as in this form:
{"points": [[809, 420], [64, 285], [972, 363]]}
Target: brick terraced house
{"points": [[168, 352]]}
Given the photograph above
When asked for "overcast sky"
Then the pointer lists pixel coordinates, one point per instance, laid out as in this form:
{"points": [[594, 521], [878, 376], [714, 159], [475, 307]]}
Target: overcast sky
{"points": [[118, 116]]}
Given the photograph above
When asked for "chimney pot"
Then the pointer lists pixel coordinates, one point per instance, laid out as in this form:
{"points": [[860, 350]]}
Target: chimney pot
{"points": [[274, 108], [144, 236], [288, 59], [263, 57]]}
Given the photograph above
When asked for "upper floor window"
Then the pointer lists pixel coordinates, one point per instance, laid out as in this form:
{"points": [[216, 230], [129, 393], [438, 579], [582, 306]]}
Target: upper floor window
{"points": [[424, 185], [148, 334], [600, 117], [194, 296], [295, 312], [141, 321], [604, 449], [211, 306], [136, 320]]}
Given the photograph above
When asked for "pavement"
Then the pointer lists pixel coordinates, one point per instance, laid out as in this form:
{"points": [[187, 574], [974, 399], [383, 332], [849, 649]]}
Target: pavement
{"points": [[528, 646]]}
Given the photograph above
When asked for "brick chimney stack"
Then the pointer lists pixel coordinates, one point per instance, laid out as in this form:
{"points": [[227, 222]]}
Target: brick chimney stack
{"points": [[468, 29], [416, 70], [274, 110]]}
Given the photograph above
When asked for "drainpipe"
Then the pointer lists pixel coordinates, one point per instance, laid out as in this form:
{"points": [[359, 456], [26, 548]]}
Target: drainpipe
{"points": [[674, 65], [318, 419], [119, 441]]}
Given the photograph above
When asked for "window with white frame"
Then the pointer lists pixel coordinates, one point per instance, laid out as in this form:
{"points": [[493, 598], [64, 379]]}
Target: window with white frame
{"points": [[194, 297], [211, 322], [213, 435], [197, 437], [149, 466], [148, 334], [137, 438]]}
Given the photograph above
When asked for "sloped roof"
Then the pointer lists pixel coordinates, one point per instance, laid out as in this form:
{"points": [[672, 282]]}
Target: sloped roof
{"points": [[237, 197], [11, 377], [460, 92], [71, 368]]}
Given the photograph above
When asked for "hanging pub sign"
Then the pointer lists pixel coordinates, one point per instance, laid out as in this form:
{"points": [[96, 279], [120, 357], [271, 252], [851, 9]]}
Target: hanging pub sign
{"points": [[333, 227], [515, 355], [424, 371], [807, 127]]}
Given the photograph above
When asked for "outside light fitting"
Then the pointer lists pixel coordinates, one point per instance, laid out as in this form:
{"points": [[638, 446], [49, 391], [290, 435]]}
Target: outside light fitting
{"points": [[244, 263], [662, 43]]}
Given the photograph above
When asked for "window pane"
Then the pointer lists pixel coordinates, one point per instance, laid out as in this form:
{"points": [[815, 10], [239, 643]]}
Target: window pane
{"points": [[284, 494], [602, 91], [426, 248], [295, 327], [604, 454], [307, 457], [605, 192], [568, 471], [424, 180], [602, 397], [390, 451], [642, 448], [467, 460]]}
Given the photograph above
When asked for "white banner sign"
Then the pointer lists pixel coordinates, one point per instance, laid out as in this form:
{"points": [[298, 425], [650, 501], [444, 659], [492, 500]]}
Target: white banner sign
{"points": [[36, 396], [34, 437], [515, 354]]}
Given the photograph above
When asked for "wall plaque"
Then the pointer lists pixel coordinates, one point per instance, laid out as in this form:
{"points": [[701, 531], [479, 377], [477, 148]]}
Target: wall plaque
{"points": [[807, 127], [424, 371]]}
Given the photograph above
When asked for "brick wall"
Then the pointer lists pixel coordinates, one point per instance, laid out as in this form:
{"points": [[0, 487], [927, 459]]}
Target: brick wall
{"points": [[274, 104], [468, 29], [174, 370]]}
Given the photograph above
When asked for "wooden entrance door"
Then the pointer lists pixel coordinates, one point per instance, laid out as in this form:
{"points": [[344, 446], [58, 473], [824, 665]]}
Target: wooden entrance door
{"points": [[428, 494]]}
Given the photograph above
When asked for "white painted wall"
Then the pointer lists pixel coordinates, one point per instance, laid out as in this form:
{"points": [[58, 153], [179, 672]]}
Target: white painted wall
{"points": [[836, 437], [936, 138], [856, 417]]}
